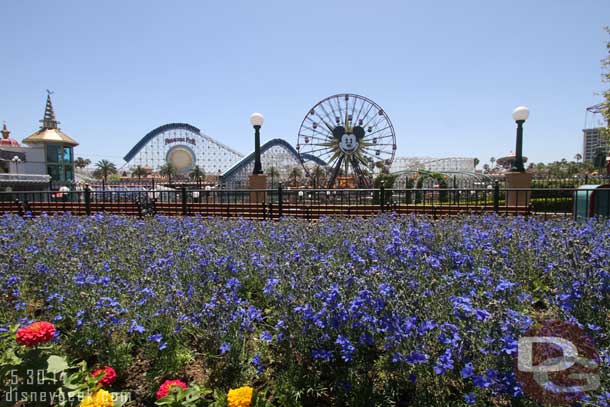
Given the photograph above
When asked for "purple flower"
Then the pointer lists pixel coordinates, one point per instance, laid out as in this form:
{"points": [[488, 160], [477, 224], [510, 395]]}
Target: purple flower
{"points": [[481, 315], [504, 285], [467, 371], [258, 364], [135, 327], [347, 349], [224, 348], [417, 357], [322, 354]]}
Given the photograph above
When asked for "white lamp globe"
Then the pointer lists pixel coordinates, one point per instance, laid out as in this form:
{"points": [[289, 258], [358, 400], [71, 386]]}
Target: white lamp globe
{"points": [[521, 113], [256, 119]]}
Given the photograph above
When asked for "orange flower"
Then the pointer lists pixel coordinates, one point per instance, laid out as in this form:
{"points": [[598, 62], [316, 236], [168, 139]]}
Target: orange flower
{"points": [[241, 397], [100, 398]]}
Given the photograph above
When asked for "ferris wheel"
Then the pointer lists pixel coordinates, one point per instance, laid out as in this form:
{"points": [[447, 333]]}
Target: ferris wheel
{"points": [[352, 134]]}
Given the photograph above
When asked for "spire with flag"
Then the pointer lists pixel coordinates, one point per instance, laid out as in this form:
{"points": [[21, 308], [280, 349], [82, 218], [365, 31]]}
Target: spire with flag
{"points": [[49, 121], [49, 133]]}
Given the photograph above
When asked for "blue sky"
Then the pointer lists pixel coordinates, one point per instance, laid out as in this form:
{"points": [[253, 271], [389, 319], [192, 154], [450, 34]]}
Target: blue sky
{"points": [[448, 73]]}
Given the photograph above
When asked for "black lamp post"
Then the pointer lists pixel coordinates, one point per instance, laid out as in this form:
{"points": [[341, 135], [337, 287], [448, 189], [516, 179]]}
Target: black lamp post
{"points": [[257, 119], [520, 115]]}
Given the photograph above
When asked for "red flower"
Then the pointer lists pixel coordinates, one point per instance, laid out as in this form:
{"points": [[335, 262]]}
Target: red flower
{"points": [[166, 388], [35, 334], [108, 378]]}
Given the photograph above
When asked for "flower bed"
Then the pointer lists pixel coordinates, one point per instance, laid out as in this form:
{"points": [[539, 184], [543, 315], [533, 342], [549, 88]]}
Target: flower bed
{"points": [[377, 312]]}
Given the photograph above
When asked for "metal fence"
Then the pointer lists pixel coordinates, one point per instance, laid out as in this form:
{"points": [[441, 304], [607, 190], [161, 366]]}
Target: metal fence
{"points": [[302, 203]]}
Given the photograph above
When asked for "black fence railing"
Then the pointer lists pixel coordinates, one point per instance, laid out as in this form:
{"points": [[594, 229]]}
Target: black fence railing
{"points": [[463, 181], [309, 203]]}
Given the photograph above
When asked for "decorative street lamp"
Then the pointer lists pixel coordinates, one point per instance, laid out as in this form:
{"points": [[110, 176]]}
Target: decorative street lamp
{"points": [[257, 119], [520, 115], [16, 160]]}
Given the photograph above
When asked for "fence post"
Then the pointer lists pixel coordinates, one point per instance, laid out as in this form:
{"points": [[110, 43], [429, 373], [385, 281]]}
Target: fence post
{"points": [[87, 200], [382, 195], [139, 205], [280, 200], [20, 210], [184, 207], [496, 196]]}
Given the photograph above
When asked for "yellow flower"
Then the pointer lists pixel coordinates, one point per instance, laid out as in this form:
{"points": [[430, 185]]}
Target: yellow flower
{"points": [[241, 397], [100, 398]]}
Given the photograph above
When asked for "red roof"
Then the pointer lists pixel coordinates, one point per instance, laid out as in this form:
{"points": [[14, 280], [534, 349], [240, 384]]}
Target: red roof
{"points": [[9, 142]]}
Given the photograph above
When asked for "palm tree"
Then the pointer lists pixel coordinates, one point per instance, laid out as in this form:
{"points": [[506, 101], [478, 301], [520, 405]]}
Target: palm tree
{"points": [[492, 160], [139, 172], [295, 175], [81, 162], [317, 176], [578, 157], [167, 170], [476, 162], [273, 172], [197, 174], [599, 158], [104, 168]]}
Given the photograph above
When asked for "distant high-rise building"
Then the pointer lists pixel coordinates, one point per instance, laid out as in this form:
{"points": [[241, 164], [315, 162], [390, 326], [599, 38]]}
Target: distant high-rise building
{"points": [[592, 142]]}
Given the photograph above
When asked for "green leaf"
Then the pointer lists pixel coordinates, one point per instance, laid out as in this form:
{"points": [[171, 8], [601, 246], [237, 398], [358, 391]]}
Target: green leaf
{"points": [[57, 364], [191, 397]]}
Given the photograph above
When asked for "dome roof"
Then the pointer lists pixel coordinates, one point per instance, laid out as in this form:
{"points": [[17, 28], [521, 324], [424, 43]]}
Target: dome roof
{"points": [[9, 142], [6, 140], [49, 133], [50, 136]]}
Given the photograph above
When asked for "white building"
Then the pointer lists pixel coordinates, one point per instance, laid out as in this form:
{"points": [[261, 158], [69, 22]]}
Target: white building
{"points": [[462, 164]]}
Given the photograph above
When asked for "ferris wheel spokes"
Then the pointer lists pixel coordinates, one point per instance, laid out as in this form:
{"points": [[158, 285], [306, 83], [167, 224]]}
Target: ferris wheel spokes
{"points": [[351, 134]]}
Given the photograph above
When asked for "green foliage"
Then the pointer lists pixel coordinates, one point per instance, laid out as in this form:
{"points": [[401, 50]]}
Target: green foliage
{"points": [[104, 168], [295, 175], [318, 176], [138, 172], [274, 175], [41, 377], [197, 174], [562, 169], [168, 170], [441, 181], [388, 181], [81, 162], [29, 372], [193, 396]]}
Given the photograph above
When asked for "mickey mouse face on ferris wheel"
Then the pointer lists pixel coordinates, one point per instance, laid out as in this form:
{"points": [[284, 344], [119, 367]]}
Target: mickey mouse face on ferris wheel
{"points": [[348, 142]]}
